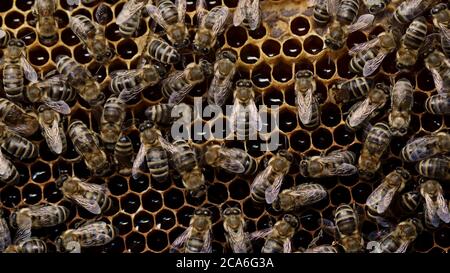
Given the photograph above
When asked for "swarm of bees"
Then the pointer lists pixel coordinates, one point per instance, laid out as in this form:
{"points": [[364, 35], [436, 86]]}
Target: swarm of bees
{"points": [[176, 58]]}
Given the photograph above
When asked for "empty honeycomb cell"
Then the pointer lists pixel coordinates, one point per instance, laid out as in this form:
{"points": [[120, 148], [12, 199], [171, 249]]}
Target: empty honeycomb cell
{"points": [[430, 122], [425, 80], [61, 167], [313, 44], [184, 215], [236, 36], [356, 37], [419, 102], [31, 194], [62, 18], [271, 48], [360, 192], [292, 48], [254, 147], [219, 232], [424, 241], [112, 32], [143, 221], [38, 56], [98, 72], [330, 115], [325, 67], [415, 123], [391, 164], [239, 189], [82, 11], [139, 184], [340, 195], [27, 35], [258, 33], [287, 120], [127, 49], [289, 95], [81, 54], [14, 19], [249, 54], [69, 38], [173, 198], [322, 138], [261, 75], [251, 209], [40, 172], [130, 203], [52, 193], [135, 242], [165, 219], [213, 3], [6, 5], [304, 64], [300, 26], [343, 67], [157, 240], [282, 72], [310, 220], [152, 201], [343, 136], [123, 223], [45, 153], [117, 185], [300, 141], [10, 196], [217, 193], [115, 246]]}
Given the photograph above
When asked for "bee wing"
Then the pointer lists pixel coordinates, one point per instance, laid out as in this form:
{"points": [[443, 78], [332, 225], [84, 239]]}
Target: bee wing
{"points": [[260, 233], [130, 93], [221, 92], [237, 107], [442, 209], [237, 240], [180, 240], [51, 134], [376, 197], [138, 160], [2, 33], [430, 211], [156, 15], [363, 21], [363, 46], [335, 156], [220, 21], [181, 9], [344, 169], [23, 231], [273, 190], [255, 121], [387, 199], [438, 82], [201, 12], [260, 178], [94, 187], [287, 246], [373, 64], [239, 12], [207, 243], [89, 204], [332, 6], [362, 111], [118, 73], [445, 32], [402, 247], [28, 70], [254, 15], [129, 9], [304, 105], [59, 106]]}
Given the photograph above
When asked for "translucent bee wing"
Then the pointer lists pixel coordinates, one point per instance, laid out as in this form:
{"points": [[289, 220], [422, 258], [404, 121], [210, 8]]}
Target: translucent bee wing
{"points": [[260, 233], [360, 113], [117, 73], [304, 105], [237, 107], [239, 13], [332, 6], [363, 22], [89, 204], [344, 169], [129, 9], [337, 156], [128, 94], [377, 235], [28, 70], [260, 178], [237, 240], [232, 165], [59, 106], [255, 121], [173, 149], [23, 232], [273, 190], [52, 137], [372, 65], [438, 82], [140, 157], [177, 97], [445, 32], [402, 247], [386, 199], [220, 21], [201, 12], [363, 46], [442, 209], [101, 237], [156, 15], [207, 243], [94, 187], [430, 211], [220, 93], [181, 9], [254, 15], [180, 240], [2, 33]]}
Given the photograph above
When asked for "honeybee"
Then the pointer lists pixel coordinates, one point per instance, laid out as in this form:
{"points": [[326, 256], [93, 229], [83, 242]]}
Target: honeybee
{"points": [[307, 104], [54, 88], [408, 10], [123, 153], [438, 104], [244, 118], [86, 143], [113, 116], [15, 145], [81, 80], [153, 152], [31, 245], [436, 167], [8, 173], [267, 183], [350, 90], [400, 238], [248, 13], [92, 197], [185, 162], [197, 237], [373, 52], [36, 216], [439, 66], [89, 234], [210, 25], [15, 67], [52, 129], [338, 32], [297, 197], [441, 20], [376, 6], [233, 160], [44, 11], [5, 234], [177, 85], [426, 146], [401, 105], [381, 198], [129, 17], [92, 35], [224, 70], [278, 238], [413, 39], [337, 163], [436, 207], [234, 224], [170, 17], [374, 146], [365, 110]]}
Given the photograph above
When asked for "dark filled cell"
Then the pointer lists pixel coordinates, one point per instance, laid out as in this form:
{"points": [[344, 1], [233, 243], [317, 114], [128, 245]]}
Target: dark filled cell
{"points": [[322, 138], [157, 240], [313, 44], [130, 203], [304, 64], [223, 175], [282, 72], [309, 220], [271, 48], [139, 184], [52, 193], [414, 125], [152, 201], [325, 67], [424, 241], [10, 196], [340, 195], [330, 115], [254, 147], [292, 48], [63, 19], [127, 49], [300, 141], [261, 75], [115, 246], [442, 237], [6, 5], [289, 95], [123, 223], [249, 54], [31, 194], [143, 221], [251, 209], [27, 35], [368, 227], [38, 56], [184, 215], [343, 67], [397, 144], [419, 102], [236, 36], [69, 38], [80, 169], [425, 80], [287, 120], [24, 173], [343, 136], [45, 153], [117, 65], [300, 26], [239, 189], [360, 192], [14, 19], [217, 193], [81, 55], [356, 37], [40, 172], [390, 164], [375, 31], [265, 222], [173, 198], [258, 33], [61, 167], [219, 232], [135, 242], [431, 122], [165, 219], [112, 32], [58, 51]]}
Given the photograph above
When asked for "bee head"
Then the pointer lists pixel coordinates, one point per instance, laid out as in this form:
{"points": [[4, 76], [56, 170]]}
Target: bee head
{"points": [[377, 8], [203, 212], [199, 49], [303, 74], [232, 211], [145, 125], [403, 173], [438, 8], [291, 220]]}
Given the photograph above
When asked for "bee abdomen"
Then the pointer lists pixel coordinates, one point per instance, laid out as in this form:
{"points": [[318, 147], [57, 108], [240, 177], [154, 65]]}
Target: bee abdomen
{"points": [[172, 86], [415, 34], [20, 147], [185, 160], [348, 10], [321, 15], [438, 104], [359, 60], [434, 168], [250, 165], [120, 83], [130, 26], [13, 81], [82, 26], [163, 52], [445, 44], [168, 11], [160, 113], [158, 163], [33, 246]]}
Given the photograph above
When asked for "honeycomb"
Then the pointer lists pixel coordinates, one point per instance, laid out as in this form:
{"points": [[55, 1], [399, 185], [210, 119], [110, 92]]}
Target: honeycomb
{"points": [[148, 218]]}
